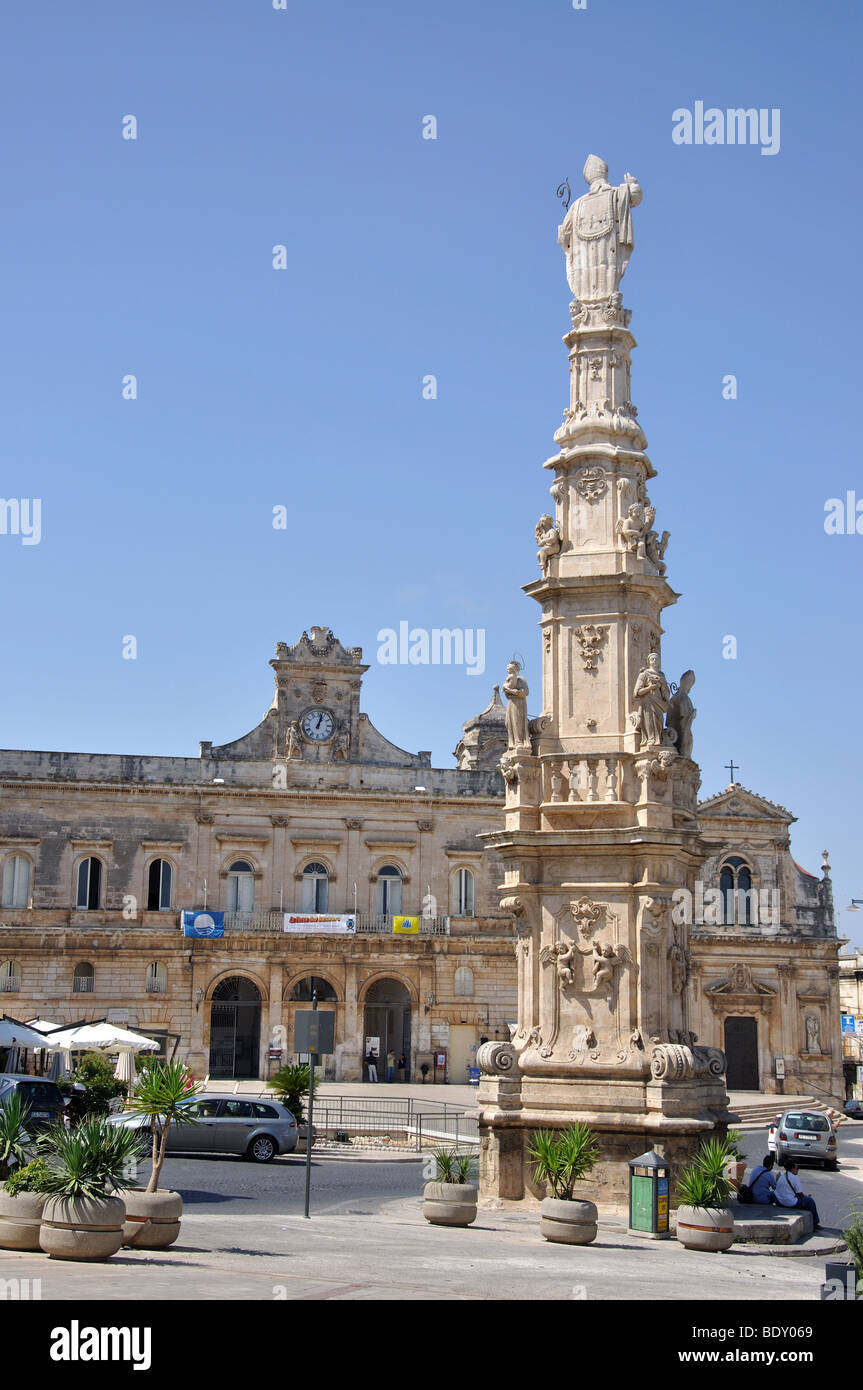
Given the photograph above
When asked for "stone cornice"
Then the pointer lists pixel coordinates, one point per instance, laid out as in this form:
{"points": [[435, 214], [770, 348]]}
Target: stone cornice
{"points": [[445, 801]]}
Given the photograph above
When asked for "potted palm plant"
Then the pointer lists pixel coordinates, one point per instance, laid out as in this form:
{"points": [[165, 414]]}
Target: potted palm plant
{"points": [[450, 1199], [561, 1158], [704, 1221], [82, 1219], [22, 1200], [153, 1217], [17, 1214]]}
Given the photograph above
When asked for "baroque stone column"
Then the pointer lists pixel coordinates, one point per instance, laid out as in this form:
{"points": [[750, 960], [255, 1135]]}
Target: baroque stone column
{"points": [[600, 809]]}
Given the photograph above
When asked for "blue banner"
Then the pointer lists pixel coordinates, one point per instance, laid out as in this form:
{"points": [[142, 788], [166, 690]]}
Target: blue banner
{"points": [[203, 923]]}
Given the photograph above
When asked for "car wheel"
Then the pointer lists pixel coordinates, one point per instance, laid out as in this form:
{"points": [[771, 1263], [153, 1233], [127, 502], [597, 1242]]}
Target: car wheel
{"points": [[832, 1165], [262, 1149]]}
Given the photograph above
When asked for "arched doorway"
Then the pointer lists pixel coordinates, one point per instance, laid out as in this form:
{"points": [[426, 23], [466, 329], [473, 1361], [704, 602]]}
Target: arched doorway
{"points": [[387, 1023], [741, 1050], [235, 1029]]}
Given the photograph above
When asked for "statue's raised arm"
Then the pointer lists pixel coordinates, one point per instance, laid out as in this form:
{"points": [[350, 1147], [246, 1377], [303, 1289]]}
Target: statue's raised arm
{"points": [[596, 233]]}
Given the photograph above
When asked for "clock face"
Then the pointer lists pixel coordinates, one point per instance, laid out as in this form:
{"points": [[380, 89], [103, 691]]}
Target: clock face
{"points": [[318, 725]]}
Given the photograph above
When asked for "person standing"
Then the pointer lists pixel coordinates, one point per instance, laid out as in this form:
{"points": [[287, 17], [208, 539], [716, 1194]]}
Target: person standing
{"points": [[372, 1064], [403, 1067], [790, 1194]]}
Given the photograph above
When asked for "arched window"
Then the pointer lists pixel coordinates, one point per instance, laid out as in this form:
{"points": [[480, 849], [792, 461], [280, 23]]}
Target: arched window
{"points": [[10, 977], [159, 878], [316, 888], [735, 884], [302, 990], [464, 982], [16, 882], [241, 886], [461, 893], [157, 978], [89, 884], [389, 891], [83, 978]]}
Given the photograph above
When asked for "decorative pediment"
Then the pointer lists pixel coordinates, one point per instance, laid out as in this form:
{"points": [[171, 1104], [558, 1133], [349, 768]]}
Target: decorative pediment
{"points": [[739, 803], [318, 644], [741, 982]]}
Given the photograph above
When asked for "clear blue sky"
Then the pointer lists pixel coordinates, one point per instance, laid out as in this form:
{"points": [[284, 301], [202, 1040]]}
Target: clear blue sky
{"points": [[407, 257]]}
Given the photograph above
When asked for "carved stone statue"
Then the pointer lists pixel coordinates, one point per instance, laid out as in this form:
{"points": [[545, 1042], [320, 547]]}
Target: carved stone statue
{"points": [[655, 548], [516, 691], [634, 528], [605, 961], [653, 695], [548, 540], [681, 713], [342, 746], [596, 234], [293, 746], [813, 1034]]}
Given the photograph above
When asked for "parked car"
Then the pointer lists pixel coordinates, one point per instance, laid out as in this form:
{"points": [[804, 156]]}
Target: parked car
{"points": [[804, 1134], [45, 1099], [256, 1129], [853, 1109]]}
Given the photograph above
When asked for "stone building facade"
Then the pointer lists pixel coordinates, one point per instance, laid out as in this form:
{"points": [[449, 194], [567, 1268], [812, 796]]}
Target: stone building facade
{"points": [[312, 812], [764, 962], [851, 1002]]}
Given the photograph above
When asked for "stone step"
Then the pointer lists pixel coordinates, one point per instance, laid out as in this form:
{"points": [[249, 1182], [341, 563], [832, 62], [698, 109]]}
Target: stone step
{"points": [[768, 1225]]}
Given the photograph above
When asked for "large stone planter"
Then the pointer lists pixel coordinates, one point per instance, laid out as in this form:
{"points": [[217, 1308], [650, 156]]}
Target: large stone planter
{"points": [[152, 1218], [568, 1222], [449, 1203], [82, 1228], [705, 1228], [20, 1219]]}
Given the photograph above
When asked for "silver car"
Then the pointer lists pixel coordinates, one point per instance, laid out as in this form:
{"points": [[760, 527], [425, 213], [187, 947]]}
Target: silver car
{"points": [[256, 1129], [804, 1134]]}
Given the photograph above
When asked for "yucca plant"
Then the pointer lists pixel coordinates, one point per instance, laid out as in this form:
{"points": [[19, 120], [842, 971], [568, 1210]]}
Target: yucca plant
{"points": [[159, 1096], [703, 1183], [733, 1140], [13, 1134], [452, 1166], [290, 1084], [853, 1238], [562, 1156], [91, 1160]]}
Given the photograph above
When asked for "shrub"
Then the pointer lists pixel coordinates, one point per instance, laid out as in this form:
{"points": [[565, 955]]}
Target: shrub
{"points": [[32, 1177], [90, 1161], [853, 1238], [563, 1156], [13, 1133], [95, 1072]]}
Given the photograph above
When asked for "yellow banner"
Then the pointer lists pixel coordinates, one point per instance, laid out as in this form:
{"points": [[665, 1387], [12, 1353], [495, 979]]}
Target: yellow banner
{"points": [[406, 926]]}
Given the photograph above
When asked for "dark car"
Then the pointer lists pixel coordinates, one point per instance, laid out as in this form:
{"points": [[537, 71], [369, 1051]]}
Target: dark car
{"points": [[853, 1109], [44, 1098]]}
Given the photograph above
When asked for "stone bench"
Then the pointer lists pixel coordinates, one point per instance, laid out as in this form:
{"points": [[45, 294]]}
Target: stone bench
{"points": [[759, 1224]]}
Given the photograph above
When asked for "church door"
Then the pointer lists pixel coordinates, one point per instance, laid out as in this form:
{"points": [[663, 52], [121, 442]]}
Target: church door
{"points": [[741, 1049]]}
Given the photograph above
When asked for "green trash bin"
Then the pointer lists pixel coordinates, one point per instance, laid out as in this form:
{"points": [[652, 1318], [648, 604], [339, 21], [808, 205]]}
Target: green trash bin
{"points": [[648, 1196]]}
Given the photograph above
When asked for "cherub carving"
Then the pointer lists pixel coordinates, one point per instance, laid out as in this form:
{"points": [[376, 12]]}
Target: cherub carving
{"points": [[655, 548], [606, 959], [548, 540], [561, 953], [635, 526]]}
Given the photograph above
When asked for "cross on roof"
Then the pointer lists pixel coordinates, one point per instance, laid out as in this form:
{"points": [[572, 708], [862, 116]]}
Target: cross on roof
{"points": [[731, 767]]}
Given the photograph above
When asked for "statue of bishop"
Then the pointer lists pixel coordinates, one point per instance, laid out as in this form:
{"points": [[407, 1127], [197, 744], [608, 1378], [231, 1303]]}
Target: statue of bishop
{"points": [[597, 233]]}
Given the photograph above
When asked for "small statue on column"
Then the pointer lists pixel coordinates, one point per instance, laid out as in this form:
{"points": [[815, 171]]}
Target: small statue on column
{"points": [[681, 713], [516, 691], [653, 694]]}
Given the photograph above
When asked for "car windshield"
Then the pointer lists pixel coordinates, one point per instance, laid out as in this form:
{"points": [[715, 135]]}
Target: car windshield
{"points": [[40, 1090], [818, 1123]]}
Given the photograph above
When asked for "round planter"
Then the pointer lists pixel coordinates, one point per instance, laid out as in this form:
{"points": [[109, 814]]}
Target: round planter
{"points": [[20, 1219], [569, 1223], [449, 1203], [82, 1228], [152, 1218], [705, 1228]]}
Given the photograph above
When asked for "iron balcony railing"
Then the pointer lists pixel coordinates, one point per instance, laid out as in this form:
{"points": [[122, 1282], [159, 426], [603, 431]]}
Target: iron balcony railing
{"points": [[367, 924]]}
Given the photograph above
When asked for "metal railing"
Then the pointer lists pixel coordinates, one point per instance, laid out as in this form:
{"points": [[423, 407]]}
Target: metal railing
{"points": [[422, 1122]]}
